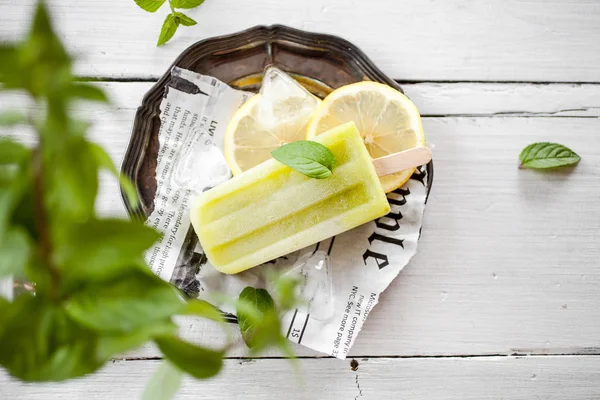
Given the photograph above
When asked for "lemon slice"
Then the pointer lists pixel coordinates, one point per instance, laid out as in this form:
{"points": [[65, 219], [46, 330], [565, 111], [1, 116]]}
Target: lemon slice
{"points": [[279, 114], [386, 119]]}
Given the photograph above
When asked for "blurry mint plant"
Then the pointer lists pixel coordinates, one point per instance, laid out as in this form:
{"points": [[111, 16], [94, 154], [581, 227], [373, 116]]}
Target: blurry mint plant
{"points": [[174, 19], [90, 295]]}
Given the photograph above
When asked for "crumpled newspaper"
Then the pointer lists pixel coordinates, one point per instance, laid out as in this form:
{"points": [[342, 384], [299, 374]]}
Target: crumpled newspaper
{"points": [[341, 277]]}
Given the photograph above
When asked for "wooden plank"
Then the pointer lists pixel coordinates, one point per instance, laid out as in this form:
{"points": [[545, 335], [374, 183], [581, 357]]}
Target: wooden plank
{"points": [[548, 378], [493, 40], [487, 99], [432, 99]]}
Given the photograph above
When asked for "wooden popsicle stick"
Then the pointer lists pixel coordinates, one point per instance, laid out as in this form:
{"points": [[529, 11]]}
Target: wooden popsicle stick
{"points": [[406, 159]]}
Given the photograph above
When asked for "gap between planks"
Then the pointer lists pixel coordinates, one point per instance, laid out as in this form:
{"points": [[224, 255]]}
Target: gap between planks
{"points": [[383, 357]]}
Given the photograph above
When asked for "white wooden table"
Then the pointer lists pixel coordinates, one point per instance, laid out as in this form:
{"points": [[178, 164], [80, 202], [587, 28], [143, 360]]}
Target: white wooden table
{"points": [[502, 300]]}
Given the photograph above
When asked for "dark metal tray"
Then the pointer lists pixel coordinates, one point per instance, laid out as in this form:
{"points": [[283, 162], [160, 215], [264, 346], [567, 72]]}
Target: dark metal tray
{"points": [[319, 62]]}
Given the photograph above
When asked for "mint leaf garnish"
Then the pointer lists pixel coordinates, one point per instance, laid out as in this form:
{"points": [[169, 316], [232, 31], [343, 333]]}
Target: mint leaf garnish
{"points": [[309, 158], [547, 155]]}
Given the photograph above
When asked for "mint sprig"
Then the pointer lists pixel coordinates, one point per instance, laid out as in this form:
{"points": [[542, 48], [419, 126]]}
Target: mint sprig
{"points": [[174, 19], [545, 155], [309, 158]]}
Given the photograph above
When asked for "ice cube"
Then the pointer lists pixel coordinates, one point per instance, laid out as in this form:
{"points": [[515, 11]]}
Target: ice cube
{"points": [[202, 164], [314, 273], [283, 101]]}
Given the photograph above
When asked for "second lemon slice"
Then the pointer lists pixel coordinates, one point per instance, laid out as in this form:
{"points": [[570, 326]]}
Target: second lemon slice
{"points": [[386, 119]]}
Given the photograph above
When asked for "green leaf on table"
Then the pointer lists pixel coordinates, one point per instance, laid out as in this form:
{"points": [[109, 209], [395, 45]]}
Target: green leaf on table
{"points": [[184, 19], [547, 155], [164, 383], [11, 118], [104, 161], [124, 304], [186, 3], [307, 157], [150, 5], [168, 29], [198, 361], [39, 342], [99, 249], [14, 250], [85, 91], [116, 344]]}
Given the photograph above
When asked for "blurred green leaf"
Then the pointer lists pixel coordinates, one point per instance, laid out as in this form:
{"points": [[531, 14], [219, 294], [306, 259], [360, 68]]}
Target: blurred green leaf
{"points": [[14, 251], [44, 64], [125, 303], [72, 182], [99, 249], [11, 118], [164, 383], [86, 91], [14, 179], [12, 152], [184, 19], [198, 361], [8, 63], [112, 345], [168, 29], [104, 161], [253, 322], [150, 5], [201, 308], [39, 342], [285, 293], [186, 3]]}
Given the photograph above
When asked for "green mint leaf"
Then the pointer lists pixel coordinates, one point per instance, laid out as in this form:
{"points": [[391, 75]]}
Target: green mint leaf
{"points": [[110, 346], [184, 19], [15, 178], [39, 342], [12, 118], [164, 383], [124, 304], [198, 361], [201, 308], [254, 310], [9, 65], [72, 182], [105, 162], [309, 158], [12, 152], [186, 3], [86, 91], [15, 252], [150, 5], [547, 155], [99, 249], [44, 60], [168, 29]]}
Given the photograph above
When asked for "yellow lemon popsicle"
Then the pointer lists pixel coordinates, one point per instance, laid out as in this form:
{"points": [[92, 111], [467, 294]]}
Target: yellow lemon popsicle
{"points": [[272, 210]]}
